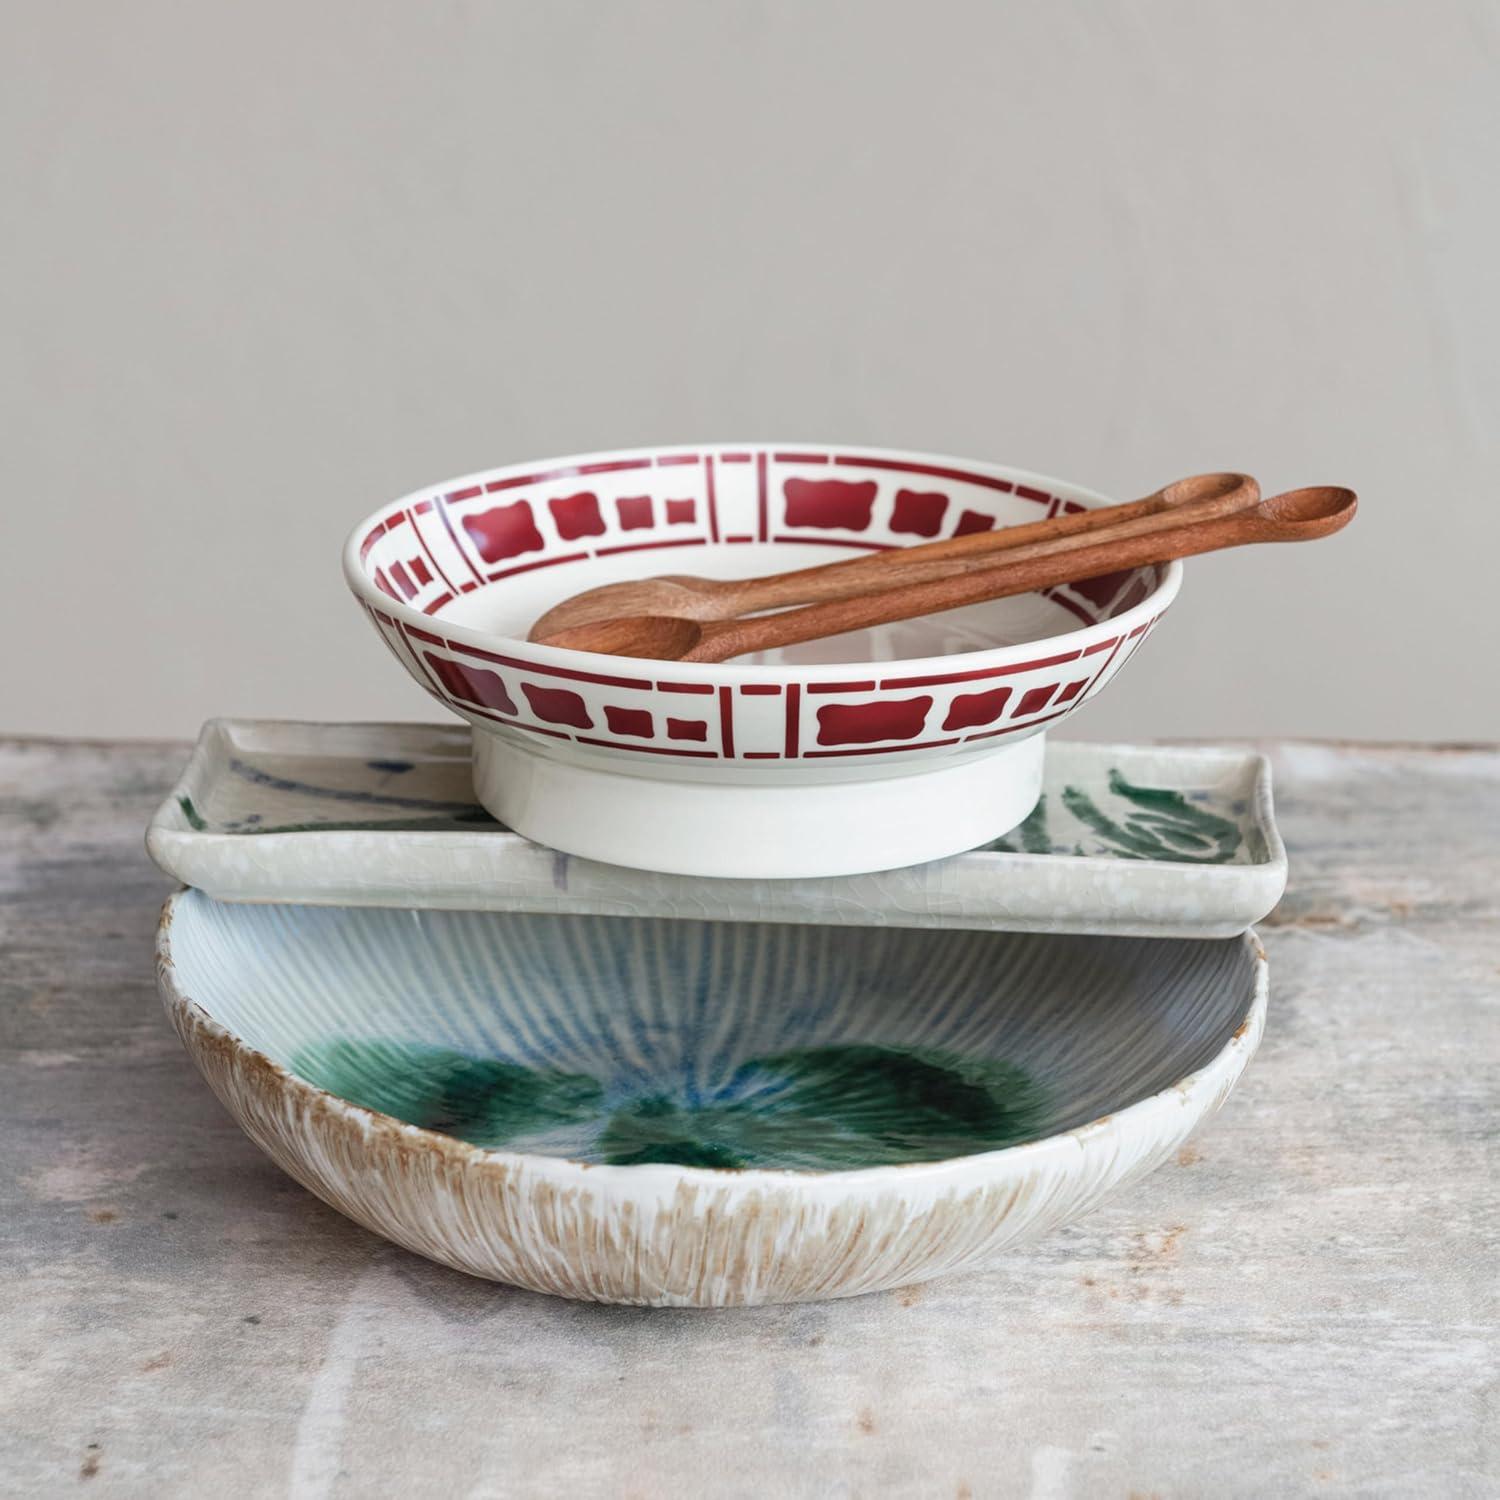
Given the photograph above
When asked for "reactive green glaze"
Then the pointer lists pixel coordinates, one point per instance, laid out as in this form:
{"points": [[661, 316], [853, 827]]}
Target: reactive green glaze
{"points": [[821, 1108], [483, 1100]]}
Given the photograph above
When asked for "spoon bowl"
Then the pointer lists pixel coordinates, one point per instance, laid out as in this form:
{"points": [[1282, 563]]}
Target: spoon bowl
{"points": [[1316, 511], [655, 637], [675, 594]]}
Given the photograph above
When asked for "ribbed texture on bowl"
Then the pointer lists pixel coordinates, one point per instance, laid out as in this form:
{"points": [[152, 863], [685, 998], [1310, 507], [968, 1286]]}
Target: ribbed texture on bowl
{"points": [[703, 1017]]}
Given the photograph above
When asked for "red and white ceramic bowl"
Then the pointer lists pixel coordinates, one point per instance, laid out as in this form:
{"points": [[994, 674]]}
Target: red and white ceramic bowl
{"points": [[869, 751]]}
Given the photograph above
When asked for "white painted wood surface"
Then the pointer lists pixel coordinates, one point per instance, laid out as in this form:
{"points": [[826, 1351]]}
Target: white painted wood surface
{"points": [[1304, 1303]]}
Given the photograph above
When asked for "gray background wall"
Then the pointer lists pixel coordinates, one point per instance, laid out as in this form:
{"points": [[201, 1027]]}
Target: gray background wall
{"points": [[268, 265]]}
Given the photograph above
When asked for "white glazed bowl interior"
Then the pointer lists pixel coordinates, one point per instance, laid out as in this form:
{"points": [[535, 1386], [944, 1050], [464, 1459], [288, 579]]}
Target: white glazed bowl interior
{"points": [[453, 576], [679, 1111]]}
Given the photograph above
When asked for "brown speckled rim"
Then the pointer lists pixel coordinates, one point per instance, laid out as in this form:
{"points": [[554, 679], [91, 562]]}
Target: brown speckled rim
{"points": [[1201, 1091]]}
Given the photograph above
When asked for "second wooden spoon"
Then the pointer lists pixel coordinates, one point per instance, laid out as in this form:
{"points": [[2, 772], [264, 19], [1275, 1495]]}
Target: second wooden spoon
{"points": [[691, 598], [1298, 515]]}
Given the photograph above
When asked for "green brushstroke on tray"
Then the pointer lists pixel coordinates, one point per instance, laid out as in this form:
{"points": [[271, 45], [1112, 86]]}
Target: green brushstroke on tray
{"points": [[1157, 824], [821, 1108], [1031, 837], [275, 782], [425, 815], [1161, 825], [482, 1100], [474, 817]]}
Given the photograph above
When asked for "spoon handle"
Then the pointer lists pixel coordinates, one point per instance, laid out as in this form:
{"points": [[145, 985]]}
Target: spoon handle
{"points": [[1203, 495], [1300, 515]]}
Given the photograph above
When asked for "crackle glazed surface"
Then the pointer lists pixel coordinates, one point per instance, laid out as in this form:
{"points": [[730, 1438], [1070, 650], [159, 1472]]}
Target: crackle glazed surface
{"points": [[954, 705], [1153, 841], [709, 1114]]}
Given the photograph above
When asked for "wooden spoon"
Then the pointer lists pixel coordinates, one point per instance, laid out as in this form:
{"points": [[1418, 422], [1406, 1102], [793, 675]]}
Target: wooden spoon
{"points": [[722, 599], [1298, 515]]}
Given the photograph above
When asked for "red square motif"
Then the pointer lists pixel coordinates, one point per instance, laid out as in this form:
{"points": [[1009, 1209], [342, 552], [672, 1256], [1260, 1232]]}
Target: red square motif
{"points": [[635, 511], [632, 721], [577, 515]]}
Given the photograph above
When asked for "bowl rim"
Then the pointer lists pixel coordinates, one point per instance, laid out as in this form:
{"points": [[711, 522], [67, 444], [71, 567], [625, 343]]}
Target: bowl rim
{"points": [[364, 589], [1199, 1092]]}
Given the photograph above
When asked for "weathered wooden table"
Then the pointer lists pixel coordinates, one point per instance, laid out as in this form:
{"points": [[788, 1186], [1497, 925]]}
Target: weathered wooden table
{"points": [[1305, 1303]]}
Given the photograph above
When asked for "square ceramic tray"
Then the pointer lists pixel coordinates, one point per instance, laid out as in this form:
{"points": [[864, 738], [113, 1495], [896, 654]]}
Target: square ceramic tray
{"points": [[1149, 840]]}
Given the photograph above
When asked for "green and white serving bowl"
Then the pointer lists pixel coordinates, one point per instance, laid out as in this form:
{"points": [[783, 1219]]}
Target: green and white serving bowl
{"points": [[691, 1113]]}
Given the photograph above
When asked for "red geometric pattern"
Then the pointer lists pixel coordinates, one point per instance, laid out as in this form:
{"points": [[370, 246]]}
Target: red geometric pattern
{"points": [[423, 554], [1034, 700], [830, 503], [1099, 591], [974, 710], [633, 721], [472, 684], [576, 516], [558, 705], [973, 520], [634, 512], [504, 531], [869, 723], [919, 513]]}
